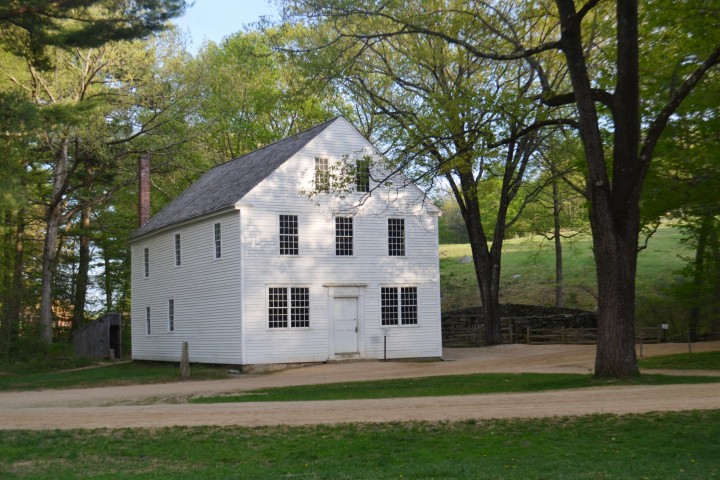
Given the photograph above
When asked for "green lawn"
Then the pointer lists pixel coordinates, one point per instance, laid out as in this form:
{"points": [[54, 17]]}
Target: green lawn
{"points": [[442, 386], [119, 374], [684, 361], [528, 274], [649, 446]]}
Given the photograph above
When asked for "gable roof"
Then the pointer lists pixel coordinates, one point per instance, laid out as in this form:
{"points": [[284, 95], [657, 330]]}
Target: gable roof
{"points": [[222, 186]]}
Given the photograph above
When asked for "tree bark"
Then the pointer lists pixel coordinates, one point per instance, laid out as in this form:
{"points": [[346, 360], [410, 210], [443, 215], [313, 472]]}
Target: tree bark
{"points": [[52, 224], [559, 294], [81, 283], [698, 276]]}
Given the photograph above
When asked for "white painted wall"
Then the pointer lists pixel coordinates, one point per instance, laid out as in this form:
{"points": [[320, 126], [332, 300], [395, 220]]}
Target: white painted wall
{"points": [[209, 313], [206, 292], [317, 265]]}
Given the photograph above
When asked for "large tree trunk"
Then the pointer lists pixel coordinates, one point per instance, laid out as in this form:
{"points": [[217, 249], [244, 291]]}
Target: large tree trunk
{"points": [[698, 276], [53, 220], [81, 283], [559, 294]]}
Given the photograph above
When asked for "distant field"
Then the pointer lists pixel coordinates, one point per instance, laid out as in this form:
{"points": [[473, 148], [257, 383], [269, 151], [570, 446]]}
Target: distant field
{"points": [[528, 274]]}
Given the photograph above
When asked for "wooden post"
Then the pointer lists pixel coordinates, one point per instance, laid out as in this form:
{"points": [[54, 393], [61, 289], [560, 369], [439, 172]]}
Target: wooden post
{"points": [[185, 362]]}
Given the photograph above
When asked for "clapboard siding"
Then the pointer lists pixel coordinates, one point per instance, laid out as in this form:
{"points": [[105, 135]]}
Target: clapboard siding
{"points": [[222, 306], [317, 265], [206, 292]]}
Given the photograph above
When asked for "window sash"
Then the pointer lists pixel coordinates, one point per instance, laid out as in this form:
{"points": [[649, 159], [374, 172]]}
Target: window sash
{"points": [[343, 236], [398, 306], [218, 240], [322, 174], [147, 321], [289, 237], [288, 307], [171, 315], [146, 261], [178, 258], [396, 237], [362, 176]]}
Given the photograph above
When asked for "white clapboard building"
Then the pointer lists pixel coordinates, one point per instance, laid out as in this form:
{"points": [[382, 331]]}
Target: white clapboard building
{"points": [[250, 269]]}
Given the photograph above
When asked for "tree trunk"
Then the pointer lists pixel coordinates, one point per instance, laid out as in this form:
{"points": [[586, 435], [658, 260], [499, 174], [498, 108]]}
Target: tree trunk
{"points": [[81, 284], [108, 282], [53, 219], [559, 294], [698, 276], [487, 272]]}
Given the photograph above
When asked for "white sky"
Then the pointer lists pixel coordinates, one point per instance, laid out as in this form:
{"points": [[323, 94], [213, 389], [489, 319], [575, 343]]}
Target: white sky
{"points": [[216, 19]]}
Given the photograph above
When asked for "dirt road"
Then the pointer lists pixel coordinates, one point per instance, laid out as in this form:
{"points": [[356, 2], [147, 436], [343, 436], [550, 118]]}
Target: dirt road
{"points": [[165, 404]]}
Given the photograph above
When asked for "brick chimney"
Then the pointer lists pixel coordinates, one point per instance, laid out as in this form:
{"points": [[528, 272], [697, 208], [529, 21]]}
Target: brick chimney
{"points": [[143, 189]]}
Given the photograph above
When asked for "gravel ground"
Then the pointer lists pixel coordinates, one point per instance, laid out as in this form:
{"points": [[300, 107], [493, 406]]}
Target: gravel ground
{"points": [[162, 405]]}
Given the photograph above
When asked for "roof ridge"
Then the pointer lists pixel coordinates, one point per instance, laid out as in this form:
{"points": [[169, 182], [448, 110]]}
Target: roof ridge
{"points": [[277, 141]]}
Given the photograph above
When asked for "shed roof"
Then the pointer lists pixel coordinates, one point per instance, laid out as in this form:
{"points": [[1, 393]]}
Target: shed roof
{"points": [[222, 186]]}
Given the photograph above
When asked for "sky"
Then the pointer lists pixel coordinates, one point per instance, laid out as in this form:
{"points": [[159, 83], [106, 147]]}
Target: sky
{"points": [[216, 19]]}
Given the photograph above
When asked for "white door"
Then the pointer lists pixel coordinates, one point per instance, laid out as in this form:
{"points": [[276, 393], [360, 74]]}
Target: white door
{"points": [[345, 325]]}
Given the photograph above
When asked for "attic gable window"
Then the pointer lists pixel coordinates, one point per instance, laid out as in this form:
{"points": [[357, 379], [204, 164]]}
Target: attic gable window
{"points": [[396, 237], [399, 305], [288, 307], [289, 237], [322, 174], [343, 236], [362, 176]]}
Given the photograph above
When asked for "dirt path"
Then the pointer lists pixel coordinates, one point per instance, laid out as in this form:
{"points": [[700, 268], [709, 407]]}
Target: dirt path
{"points": [[165, 404]]}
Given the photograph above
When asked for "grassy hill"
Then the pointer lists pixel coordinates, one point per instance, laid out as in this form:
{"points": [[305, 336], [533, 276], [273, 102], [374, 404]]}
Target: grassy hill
{"points": [[528, 275]]}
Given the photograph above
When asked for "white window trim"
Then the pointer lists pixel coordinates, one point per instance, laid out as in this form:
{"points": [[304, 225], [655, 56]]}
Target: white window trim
{"points": [[217, 239], [171, 316], [277, 235], [387, 237], [177, 250], [399, 306], [289, 299], [352, 238]]}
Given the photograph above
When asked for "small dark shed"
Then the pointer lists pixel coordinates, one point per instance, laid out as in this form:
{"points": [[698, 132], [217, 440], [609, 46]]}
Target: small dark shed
{"points": [[100, 339]]}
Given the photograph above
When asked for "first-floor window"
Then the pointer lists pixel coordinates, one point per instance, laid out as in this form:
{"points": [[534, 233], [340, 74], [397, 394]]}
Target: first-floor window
{"points": [[171, 315], [288, 306], [147, 320], [398, 305]]}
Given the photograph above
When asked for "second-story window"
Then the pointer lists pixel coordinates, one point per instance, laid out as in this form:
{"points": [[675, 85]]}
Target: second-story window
{"points": [[289, 237], [396, 237], [146, 261], [178, 257], [218, 244], [343, 236], [171, 315]]}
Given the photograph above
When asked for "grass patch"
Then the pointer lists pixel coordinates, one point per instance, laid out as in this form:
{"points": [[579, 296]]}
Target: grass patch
{"points": [[528, 275], [684, 361], [442, 386], [649, 446], [120, 374]]}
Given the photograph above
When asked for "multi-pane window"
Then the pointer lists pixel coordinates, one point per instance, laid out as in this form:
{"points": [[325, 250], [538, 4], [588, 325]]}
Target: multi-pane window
{"points": [[322, 174], [289, 238], [399, 305], [146, 261], [218, 242], [147, 320], [171, 315], [362, 175], [288, 306], [343, 236], [178, 259], [396, 237]]}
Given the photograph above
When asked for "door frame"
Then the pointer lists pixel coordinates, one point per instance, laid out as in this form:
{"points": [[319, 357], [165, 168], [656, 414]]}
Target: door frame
{"points": [[356, 291]]}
